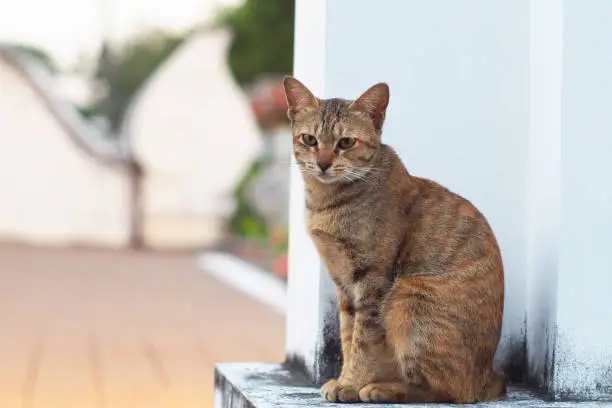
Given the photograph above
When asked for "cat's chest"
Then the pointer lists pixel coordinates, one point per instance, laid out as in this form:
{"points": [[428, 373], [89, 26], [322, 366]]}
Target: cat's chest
{"points": [[341, 241], [324, 225]]}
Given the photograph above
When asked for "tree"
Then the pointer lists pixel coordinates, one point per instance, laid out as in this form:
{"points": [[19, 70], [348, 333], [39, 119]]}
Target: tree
{"points": [[263, 38], [262, 45], [124, 70], [38, 55]]}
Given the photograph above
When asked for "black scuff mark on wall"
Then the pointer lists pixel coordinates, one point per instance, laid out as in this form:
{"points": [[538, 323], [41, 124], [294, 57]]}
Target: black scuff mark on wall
{"points": [[514, 366], [549, 369], [328, 357], [604, 384], [297, 363], [283, 377], [598, 386], [328, 354]]}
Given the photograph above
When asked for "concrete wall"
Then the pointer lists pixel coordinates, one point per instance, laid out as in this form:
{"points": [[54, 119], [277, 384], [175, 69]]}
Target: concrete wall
{"points": [[53, 192], [312, 324]]}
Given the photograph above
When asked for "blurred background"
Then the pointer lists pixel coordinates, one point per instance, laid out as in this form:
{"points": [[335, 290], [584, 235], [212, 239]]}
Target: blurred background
{"points": [[136, 138]]}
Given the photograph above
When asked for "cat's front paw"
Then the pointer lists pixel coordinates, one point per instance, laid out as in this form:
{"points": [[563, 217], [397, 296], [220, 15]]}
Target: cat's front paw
{"points": [[334, 391], [383, 392]]}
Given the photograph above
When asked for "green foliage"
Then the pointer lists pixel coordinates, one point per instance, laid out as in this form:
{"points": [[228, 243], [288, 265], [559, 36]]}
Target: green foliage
{"points": [[245, 221], [263, 38], [262, 49], [87, 112], [126, 68], [38, 55], [262, 44]]}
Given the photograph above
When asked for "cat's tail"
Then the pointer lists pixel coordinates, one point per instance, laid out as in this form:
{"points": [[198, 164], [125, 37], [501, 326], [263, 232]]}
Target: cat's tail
{"points": [[495, 389]]}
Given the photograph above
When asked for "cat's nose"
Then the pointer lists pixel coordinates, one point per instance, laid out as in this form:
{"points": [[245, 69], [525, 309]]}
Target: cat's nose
{"points": [[324, 164]]}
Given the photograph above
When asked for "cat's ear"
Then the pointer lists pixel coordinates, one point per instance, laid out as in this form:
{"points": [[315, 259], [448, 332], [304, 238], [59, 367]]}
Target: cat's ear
{"points": [[374, 102], [298, 96]]}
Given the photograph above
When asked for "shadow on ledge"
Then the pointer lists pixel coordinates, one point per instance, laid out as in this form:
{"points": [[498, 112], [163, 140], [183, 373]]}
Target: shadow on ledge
{"points": [[256, 385]]}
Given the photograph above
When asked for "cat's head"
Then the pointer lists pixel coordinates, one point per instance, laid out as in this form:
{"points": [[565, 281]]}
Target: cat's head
{"points": [[335, 140]]}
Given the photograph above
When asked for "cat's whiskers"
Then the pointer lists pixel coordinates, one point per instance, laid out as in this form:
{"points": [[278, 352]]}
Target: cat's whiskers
{"points": [[373, 170], [354, 175]]}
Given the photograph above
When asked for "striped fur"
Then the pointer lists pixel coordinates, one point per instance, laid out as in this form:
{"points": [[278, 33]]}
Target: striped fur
{"points": [[417, 268]]}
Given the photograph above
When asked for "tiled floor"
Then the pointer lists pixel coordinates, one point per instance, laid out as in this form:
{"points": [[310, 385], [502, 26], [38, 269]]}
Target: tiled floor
{"points": [[104, 329]]}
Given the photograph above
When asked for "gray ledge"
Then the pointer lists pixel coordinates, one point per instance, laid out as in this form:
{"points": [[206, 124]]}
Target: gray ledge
{"points": [[250, 385]]}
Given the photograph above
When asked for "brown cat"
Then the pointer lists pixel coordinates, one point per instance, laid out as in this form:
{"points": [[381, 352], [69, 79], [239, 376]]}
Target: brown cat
{"points": [[417, 268]]}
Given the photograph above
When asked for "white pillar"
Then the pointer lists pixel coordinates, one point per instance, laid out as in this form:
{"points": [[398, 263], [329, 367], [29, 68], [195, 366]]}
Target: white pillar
{"points": [[582, 365], [313, 344], [544, 186], [569, 333]]}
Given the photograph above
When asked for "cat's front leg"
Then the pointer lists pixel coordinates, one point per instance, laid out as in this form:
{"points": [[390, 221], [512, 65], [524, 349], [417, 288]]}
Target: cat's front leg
{"points": [[368, 362], [341, 390], [372, 359], [347, 324], [335, 391]]}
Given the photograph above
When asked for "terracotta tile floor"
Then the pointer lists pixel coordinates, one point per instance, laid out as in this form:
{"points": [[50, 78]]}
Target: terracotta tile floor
{"points": [[91, 328]]}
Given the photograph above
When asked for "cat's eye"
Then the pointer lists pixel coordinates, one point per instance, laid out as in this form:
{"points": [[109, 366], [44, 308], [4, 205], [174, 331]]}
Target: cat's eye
{"points": [[346, 143], [309, 140]]}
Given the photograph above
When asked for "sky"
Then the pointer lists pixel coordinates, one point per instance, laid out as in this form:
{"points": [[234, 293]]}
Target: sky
{"points": [[69, 29]]}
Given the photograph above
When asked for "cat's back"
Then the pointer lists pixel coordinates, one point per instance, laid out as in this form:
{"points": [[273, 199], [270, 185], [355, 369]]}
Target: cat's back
{"points": [[439, 204], [446, 230]]}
